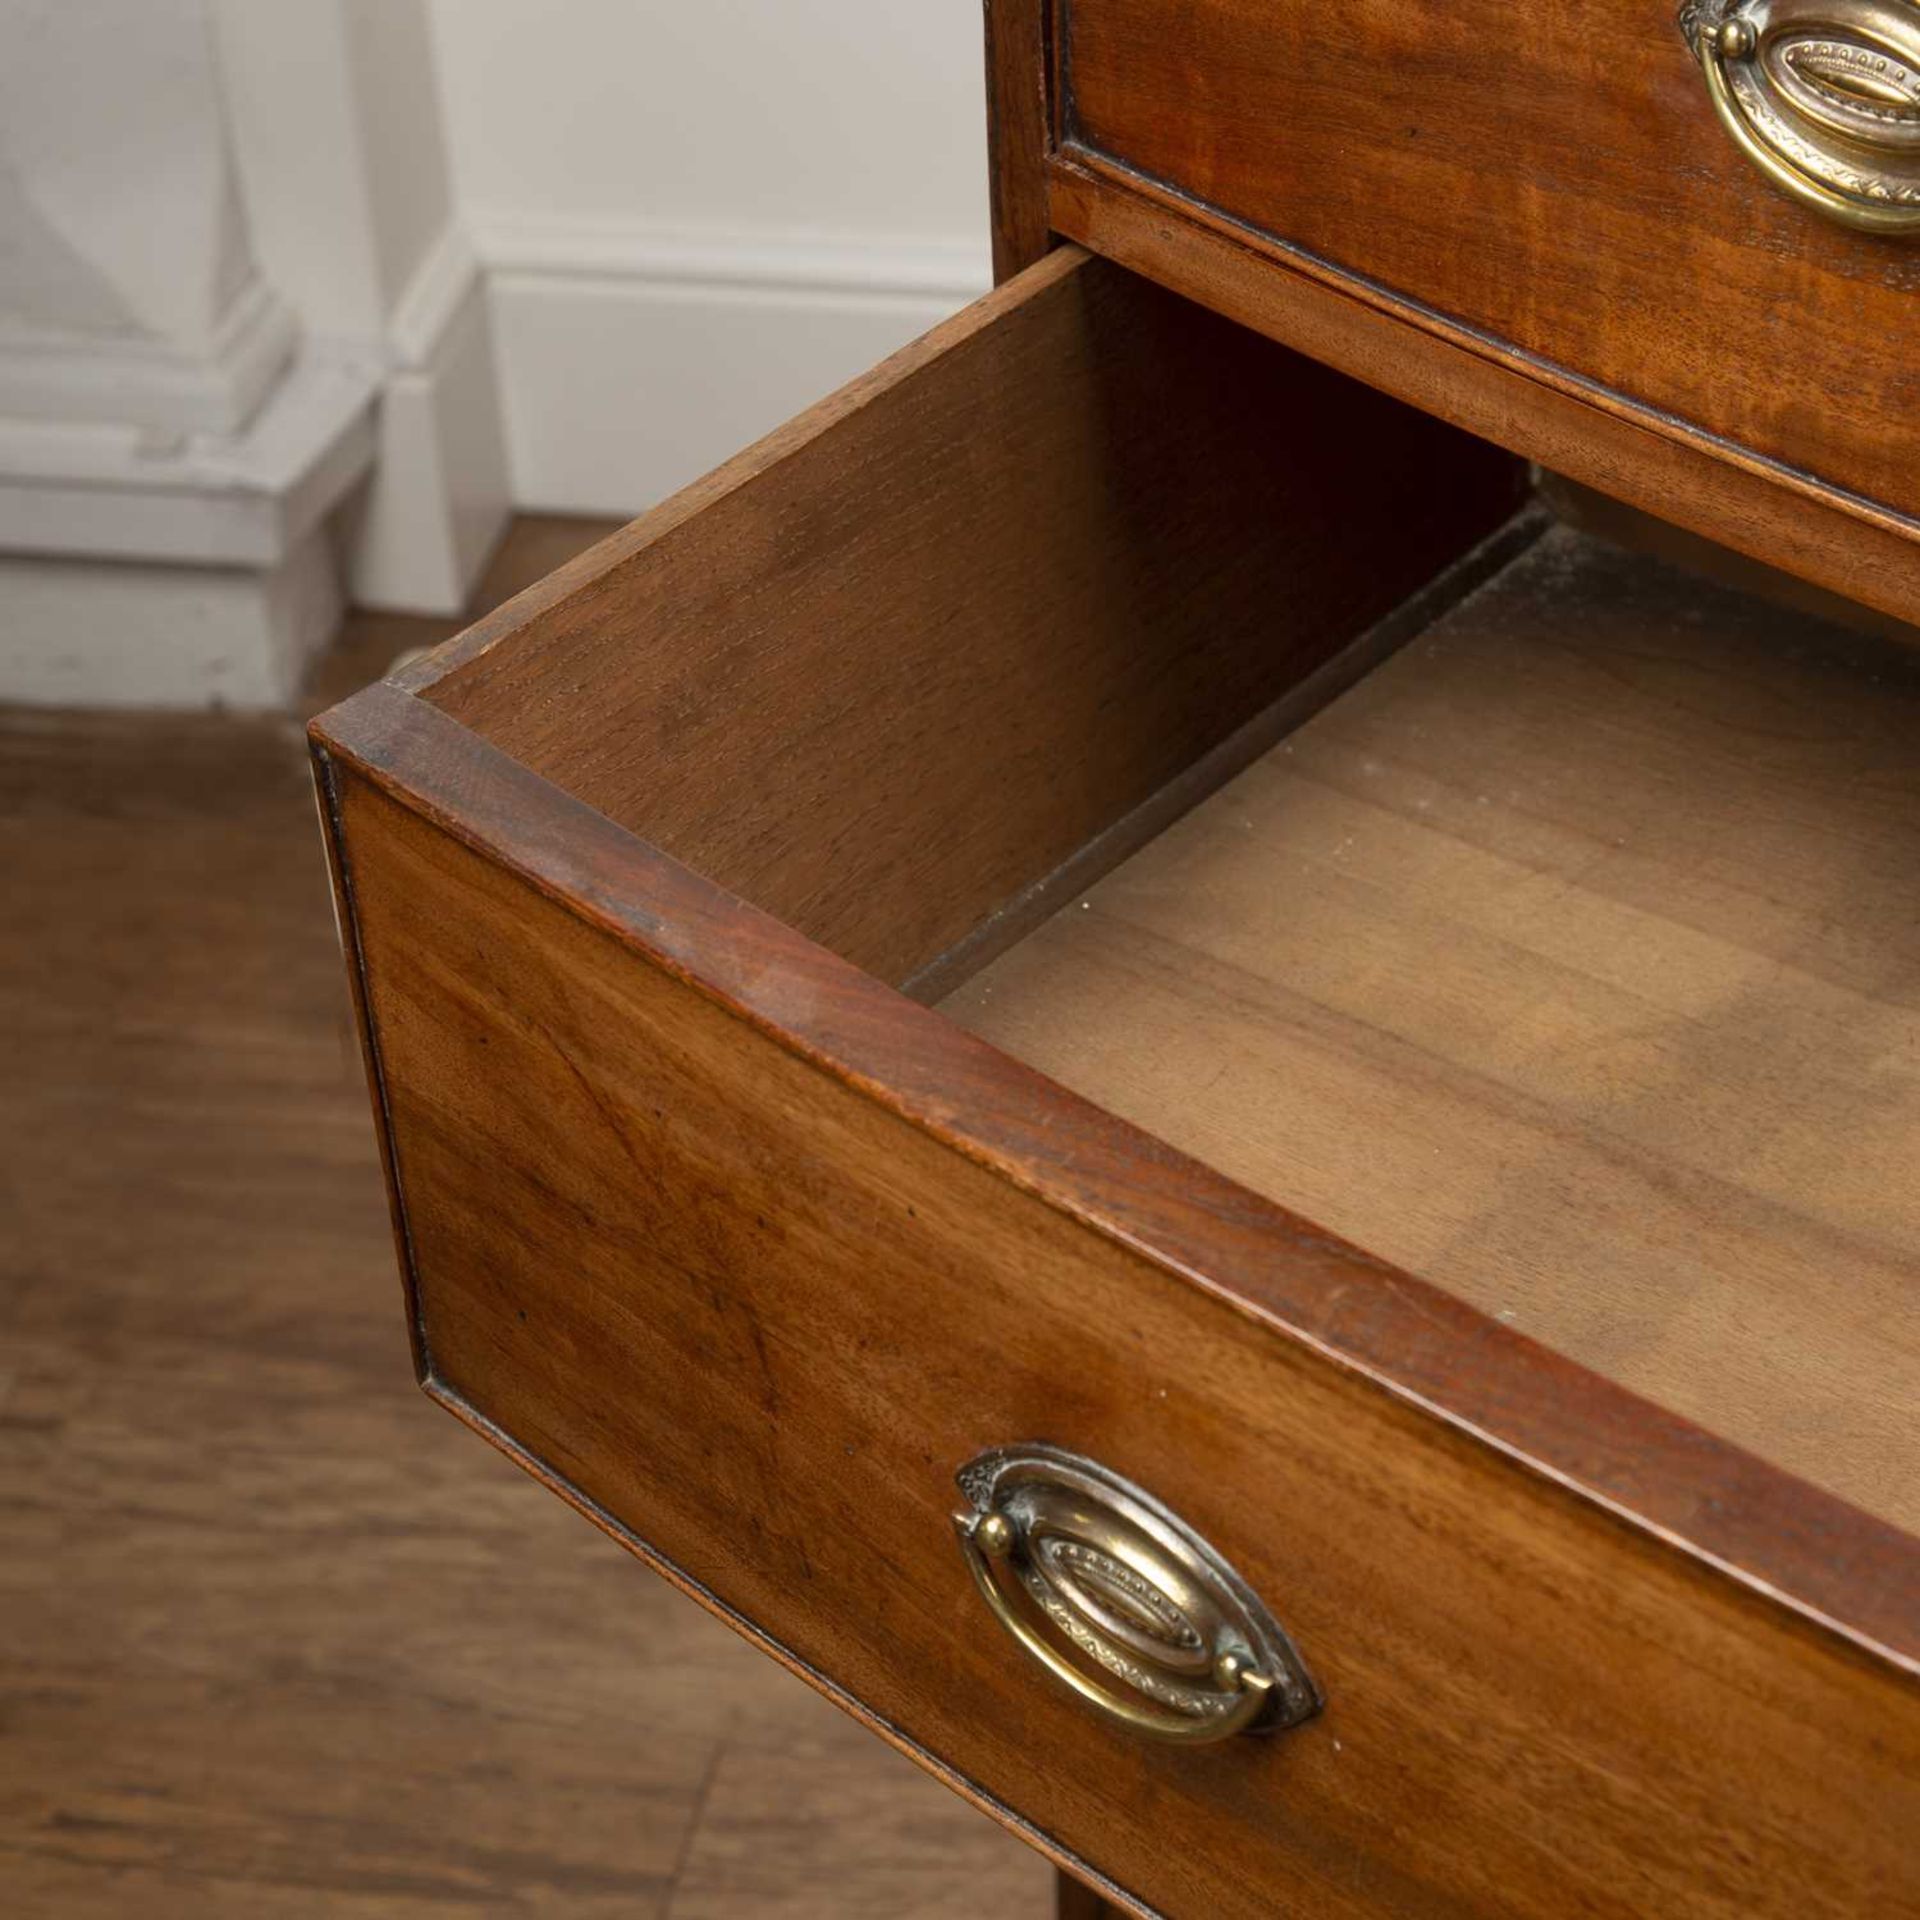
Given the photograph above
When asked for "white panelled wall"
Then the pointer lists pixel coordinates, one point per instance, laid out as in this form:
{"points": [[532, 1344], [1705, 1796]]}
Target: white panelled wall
{"points": [[333, 109], [304, 296], [696, 219]]}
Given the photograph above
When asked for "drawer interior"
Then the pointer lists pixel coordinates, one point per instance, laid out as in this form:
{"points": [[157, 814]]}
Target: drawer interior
{"points": [[1202, 728], [1572, 961]]}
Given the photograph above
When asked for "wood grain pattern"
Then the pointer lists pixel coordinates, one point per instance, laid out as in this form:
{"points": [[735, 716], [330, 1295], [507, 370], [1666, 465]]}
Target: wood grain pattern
{"points": [[960, 620], [1017, 131], [669, 1239], [1571, 962], [277, 1641], [741, 1252], [1723, 491], [1562, 188]]}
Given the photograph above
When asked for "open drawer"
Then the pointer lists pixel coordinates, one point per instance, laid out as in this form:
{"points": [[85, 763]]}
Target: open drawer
{"points": [[1108, 887]]}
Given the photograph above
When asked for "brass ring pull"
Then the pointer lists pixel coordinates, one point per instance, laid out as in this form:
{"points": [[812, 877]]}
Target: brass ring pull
{"points": [[1124, 1603], [1823, 96]]}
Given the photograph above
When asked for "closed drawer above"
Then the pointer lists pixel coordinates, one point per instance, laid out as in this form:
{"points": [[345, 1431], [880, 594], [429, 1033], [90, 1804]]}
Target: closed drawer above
{"points": [[1548, 193], [1112, 895]]}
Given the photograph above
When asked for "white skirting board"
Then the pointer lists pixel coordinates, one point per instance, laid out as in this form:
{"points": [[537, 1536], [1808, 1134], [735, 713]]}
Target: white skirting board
{"points": [[439, 496], [190, 573], [202, 571], [94, 633], [631, 359]]}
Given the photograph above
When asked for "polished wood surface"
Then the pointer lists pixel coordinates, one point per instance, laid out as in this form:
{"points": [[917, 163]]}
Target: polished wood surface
{"points": [[743, 1252], [1559, 186], [1018, 88], [277, 1641], [697, 1235], [1810, 1551], [1569, 961], [1716, 489], [965, 616]]}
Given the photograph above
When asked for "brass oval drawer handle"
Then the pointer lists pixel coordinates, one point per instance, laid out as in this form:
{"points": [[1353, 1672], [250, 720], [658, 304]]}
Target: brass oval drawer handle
{"points": [[1123, 1602], [1823, 96]]}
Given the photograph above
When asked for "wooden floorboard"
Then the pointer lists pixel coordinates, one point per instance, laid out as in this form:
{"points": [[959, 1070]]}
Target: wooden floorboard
{"points": [[276, 1637]]}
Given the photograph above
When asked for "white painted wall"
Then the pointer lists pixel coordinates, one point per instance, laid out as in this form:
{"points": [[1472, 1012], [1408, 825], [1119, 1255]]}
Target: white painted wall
{"points": [[128, 292], [695, 219], [333, 110], [170, 445], [243, 340], [861, 116], [288, 279]]}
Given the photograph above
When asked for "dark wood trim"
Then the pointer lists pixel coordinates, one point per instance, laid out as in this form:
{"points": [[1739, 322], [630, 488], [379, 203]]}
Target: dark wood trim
{"points": [[1840, 1570], [1017, 131], [1770, 512], [346, 922]]}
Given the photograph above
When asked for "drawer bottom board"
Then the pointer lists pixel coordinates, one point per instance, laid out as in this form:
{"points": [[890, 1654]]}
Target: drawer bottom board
{"points": [[1569, 961]]}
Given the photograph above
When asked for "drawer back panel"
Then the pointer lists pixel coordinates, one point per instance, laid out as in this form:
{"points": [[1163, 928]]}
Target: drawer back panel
{"points": [[908, 660]]}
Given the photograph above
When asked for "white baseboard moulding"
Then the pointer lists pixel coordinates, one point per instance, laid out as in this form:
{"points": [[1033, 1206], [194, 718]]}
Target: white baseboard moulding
{"points": [[439, 496], [99, 633], [634, 357], [145, 569]]}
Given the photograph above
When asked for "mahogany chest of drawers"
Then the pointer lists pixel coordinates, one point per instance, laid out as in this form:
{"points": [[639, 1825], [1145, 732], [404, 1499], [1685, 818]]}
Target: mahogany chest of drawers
{"points": [[1222, 1123]]}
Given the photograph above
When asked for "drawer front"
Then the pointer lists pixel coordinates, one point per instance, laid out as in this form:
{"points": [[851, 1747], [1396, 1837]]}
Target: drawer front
{"points": [[747, 1315], [1555, 183]]}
